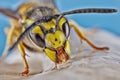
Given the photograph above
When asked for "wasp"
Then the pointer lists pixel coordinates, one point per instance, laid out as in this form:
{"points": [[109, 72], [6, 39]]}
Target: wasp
{"points": [[39, 26]]}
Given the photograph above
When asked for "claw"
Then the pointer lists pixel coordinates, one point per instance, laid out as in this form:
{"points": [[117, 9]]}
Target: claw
{"points": [[55, 67], [25, 73]]}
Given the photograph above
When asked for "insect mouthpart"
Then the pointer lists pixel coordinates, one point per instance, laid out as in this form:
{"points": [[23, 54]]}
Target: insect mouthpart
{"points": [[62, 56]]}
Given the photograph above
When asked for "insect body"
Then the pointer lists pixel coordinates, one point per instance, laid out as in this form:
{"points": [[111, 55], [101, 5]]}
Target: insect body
{"points": [[44, 28]]}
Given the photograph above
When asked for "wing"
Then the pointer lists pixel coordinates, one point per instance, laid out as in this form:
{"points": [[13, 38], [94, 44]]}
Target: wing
{"points": [[10, 13], [13, 14]]}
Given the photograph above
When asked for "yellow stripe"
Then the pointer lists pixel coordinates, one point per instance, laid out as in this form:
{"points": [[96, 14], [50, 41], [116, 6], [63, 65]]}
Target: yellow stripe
{"points": [[61, 22], [67, 47], [50, 24], [37, 30], [51, 54]]}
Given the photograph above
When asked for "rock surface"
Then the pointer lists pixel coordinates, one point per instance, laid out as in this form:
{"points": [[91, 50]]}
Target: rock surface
{"points": [[85, 63]]}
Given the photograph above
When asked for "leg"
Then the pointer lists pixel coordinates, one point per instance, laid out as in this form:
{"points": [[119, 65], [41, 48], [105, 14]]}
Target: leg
{"points": [[22, 51], [82, 36], [56, 61], [55, 67]]}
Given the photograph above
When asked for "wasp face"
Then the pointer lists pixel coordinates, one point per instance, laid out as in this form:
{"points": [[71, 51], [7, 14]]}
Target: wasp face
{"points": [[57, 44]]}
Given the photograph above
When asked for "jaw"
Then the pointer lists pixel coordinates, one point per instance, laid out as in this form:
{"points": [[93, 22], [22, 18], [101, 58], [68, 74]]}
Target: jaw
{"points": [[62, 56]]}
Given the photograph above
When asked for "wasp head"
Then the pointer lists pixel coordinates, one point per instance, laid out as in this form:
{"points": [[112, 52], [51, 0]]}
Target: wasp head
{"points": [[56, 41]]}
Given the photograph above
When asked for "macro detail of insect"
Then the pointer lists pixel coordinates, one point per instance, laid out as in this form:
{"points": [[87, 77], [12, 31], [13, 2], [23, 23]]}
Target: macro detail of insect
{"points": [[37, 27]]}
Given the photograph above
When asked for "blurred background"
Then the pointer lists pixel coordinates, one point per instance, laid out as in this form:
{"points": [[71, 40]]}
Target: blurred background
{"points": [[109, 22]]}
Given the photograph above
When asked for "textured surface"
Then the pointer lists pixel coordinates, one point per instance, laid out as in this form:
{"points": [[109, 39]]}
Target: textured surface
{"points": [[101, 66]]}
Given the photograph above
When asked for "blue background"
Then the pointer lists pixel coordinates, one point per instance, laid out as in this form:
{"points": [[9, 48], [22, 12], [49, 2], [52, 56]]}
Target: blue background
{"points": [[110, 22]]}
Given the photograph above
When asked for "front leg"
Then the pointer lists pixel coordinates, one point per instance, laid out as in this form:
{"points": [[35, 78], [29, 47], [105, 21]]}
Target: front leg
{"points": [[22, 51], [82, 36], [55, 67], [56, 61]]}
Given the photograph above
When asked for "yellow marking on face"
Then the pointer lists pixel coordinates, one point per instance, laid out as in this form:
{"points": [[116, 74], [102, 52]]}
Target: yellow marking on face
{"points": [[61, 22], [51, 54], [67, 47], [49, 25], [37, 30], [55, 40]]}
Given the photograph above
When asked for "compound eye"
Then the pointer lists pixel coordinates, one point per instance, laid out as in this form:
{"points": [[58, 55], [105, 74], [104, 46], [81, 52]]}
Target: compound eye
{"points": [[66, 29], [38, 40]]}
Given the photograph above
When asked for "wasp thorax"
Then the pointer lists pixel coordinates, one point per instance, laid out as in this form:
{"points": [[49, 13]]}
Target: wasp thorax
{"points": [[39, 12]]}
